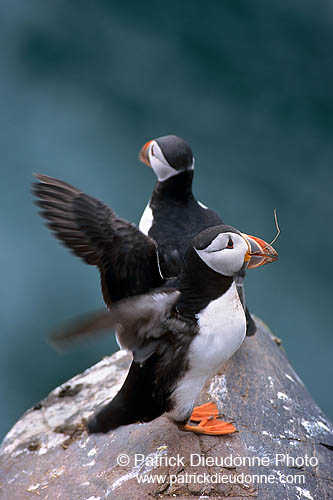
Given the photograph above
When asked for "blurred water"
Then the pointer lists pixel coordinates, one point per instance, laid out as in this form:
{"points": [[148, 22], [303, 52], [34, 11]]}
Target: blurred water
{"points": [[83, 86]]}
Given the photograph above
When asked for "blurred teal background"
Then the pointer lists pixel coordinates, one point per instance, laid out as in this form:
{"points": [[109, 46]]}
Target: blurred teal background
{"points": [[84, 84]]}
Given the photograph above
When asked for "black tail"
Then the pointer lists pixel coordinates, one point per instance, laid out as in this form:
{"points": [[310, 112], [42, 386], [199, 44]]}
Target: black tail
{"points": [[134, 402], [251, 327]]}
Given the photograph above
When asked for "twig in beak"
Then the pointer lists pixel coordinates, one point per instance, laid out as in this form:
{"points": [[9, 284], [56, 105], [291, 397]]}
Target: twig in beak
{"points": [[277, 227], [274, 240]]}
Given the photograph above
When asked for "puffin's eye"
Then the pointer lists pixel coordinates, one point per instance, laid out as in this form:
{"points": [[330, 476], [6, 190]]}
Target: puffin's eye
{"points": [[152, 151], [230, 243]]}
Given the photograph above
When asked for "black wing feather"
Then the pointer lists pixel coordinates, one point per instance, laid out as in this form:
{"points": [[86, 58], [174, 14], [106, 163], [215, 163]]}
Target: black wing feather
{"points": [[142, 322], [126, 258]]}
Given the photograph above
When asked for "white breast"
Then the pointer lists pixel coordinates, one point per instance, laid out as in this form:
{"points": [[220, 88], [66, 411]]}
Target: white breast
{"points": [[222, 327], [146, 220]]}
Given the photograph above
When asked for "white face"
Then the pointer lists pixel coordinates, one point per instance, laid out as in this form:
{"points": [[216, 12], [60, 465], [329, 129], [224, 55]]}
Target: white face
{"points": [[225, 254], [160, 165]]}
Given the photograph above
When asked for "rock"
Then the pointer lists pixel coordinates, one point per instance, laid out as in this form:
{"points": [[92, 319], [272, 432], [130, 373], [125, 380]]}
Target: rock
{"points": [[283, 449]]}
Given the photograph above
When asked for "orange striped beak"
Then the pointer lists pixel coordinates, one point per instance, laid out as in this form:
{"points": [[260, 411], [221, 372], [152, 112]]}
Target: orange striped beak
{"points": [[143, 155], [259, 252]]}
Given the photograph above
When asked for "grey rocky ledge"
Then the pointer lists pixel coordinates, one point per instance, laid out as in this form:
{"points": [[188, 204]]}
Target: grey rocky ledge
{"points": [[49, 455]]}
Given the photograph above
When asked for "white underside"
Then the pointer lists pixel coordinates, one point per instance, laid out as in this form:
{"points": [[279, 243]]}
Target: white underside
{"points": [[222, 326], [118, 341], [146, 220], [202, 205], [145, 224]]}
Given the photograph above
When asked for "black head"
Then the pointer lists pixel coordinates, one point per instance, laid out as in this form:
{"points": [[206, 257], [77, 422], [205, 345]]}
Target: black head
{"points": [[168, 156], [176, 151], [204, 239]]}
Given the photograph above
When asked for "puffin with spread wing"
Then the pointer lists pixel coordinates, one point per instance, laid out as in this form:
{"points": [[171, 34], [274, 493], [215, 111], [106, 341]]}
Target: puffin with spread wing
{"points": [[180, 330]]}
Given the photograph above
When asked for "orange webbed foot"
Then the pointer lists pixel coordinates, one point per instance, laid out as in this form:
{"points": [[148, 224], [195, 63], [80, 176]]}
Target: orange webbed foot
{"points": [[212, 427], [209, 423], [204, 411]]}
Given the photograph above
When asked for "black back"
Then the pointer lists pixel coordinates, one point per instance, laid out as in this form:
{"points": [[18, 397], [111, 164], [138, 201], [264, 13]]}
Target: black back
{"points": [[177, 218]]}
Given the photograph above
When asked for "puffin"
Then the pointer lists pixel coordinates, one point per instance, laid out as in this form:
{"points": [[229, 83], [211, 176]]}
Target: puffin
{"points": [[173, 216], [180, 330]]}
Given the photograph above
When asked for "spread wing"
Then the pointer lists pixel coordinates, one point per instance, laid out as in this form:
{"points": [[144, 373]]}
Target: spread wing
{"points": [[127, 259], [141, 323]]}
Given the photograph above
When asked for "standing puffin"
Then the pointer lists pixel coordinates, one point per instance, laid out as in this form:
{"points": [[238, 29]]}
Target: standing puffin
{"points": [[180, 330], [173, 216]]}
